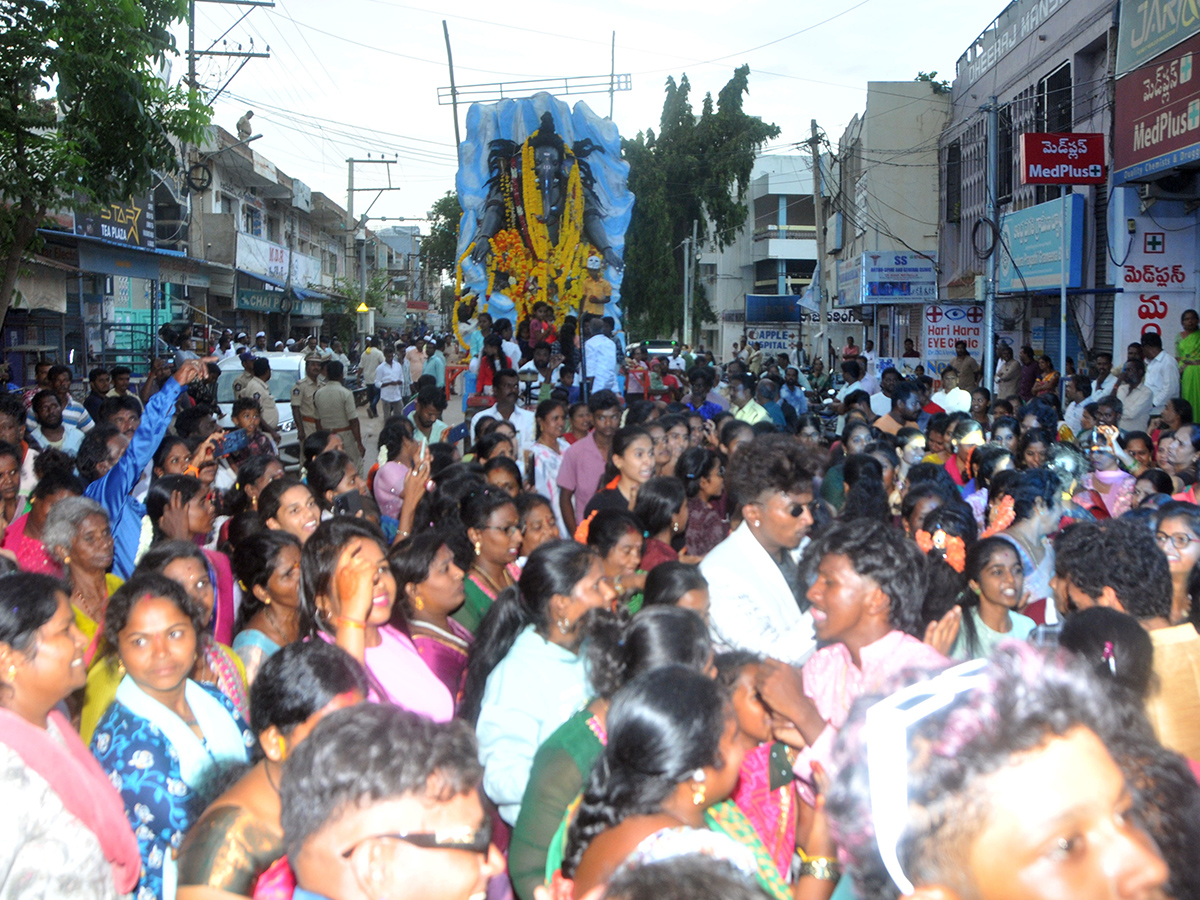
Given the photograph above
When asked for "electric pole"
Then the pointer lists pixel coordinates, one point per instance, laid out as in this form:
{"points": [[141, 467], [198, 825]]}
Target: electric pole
{"points": [[819, 216], [993, 211]]}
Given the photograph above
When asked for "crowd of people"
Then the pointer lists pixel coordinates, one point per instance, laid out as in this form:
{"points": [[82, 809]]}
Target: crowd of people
{"points": [[742, 633]]}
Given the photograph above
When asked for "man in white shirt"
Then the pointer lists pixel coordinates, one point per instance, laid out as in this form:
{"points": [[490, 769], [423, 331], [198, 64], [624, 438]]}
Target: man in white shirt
{"points": [[510, 347], [1079, 392], [850, 372], [1104, 382], [676, 360], [1162, 372], [370, 360], [1135, 397], [507, 388], [600, 357], [389, 378], [540, 367], [881, 402], [951, 397]]}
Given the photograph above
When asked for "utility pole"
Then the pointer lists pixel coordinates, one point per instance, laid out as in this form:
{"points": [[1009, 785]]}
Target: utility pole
{"points": [[993, 211], [819, 216], [690, 312], [353, 224], [687, 288], [453, 91], [612, 78]]}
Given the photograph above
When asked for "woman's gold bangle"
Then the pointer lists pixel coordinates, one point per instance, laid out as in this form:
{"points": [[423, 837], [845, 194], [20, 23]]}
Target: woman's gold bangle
{"points": [[351, 623]]}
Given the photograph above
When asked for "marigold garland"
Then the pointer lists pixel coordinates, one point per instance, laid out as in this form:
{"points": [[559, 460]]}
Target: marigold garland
{"points": [[522, 248], [1003, 515], [949, 546], [581, 530]]}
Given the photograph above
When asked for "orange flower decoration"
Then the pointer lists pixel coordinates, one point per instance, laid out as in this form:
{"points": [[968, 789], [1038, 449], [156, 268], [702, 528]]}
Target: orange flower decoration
{"points": [[1003, 515], [581, 531], [612, 485], [949, 546]]}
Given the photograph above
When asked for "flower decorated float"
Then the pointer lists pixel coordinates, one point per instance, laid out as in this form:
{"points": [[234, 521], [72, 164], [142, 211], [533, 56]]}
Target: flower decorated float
{"points": [[545, 207]]}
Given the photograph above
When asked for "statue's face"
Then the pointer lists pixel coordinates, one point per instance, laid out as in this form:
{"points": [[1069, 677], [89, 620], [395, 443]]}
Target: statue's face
{"points": [[545, 161]]}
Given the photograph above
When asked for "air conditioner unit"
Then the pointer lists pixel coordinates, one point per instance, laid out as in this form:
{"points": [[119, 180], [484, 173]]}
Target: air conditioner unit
{"points": [[1177, 186]]}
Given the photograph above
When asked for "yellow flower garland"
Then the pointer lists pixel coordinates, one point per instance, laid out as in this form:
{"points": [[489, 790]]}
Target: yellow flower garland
{"points": [[540, 262]]}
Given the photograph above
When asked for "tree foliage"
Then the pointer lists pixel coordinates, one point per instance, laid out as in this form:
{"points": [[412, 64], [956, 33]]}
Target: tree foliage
{"points": [[695, 168], [85, 117], [939, 87], [439, 249]]}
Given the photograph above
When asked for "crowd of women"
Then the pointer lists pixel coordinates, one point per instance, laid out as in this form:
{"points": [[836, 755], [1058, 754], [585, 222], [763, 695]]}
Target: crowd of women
{"points": [[941, 655]]}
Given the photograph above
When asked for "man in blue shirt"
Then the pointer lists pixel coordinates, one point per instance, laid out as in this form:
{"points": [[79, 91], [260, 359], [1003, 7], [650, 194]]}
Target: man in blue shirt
{"points": [[111, 464], [792, 391]]}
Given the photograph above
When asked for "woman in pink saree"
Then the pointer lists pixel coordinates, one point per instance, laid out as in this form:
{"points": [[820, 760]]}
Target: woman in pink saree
{"points": [[431, 585]]}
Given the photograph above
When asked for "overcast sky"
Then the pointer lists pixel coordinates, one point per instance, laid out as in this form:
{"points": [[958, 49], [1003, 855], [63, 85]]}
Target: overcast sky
{"points": [[357, 77]]}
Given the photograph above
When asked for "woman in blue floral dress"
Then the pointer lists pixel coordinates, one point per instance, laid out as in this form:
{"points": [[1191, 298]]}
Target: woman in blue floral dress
{"points": [[165, 737]]}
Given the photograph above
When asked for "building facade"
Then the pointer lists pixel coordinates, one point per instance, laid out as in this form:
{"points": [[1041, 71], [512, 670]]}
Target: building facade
{"points": [[1048, 64], [882, 213]]}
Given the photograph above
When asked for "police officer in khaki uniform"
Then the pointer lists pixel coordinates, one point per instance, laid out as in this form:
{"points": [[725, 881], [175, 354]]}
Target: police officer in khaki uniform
{"points": [[336, 412], [258, 388], [304, 411], [239, 383]]}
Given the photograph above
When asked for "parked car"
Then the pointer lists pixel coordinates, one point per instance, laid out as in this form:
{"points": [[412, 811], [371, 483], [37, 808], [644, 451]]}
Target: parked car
{"points": [[286, 370]]}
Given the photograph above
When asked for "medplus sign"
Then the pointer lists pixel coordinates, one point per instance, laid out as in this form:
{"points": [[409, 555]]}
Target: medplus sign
{"points": [[1154, 243]]}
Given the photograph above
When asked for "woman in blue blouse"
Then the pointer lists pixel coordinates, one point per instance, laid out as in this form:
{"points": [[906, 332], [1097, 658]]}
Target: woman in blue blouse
{"points": [[165, 736]]}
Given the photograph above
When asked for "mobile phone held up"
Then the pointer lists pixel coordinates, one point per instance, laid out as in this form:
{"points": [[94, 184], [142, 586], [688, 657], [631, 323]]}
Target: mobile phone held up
{"points": [[347, 504], [234, 441]]}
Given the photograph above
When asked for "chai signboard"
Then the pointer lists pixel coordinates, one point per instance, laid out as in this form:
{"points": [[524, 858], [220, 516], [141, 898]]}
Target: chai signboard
{"points": [[1062, 158]]}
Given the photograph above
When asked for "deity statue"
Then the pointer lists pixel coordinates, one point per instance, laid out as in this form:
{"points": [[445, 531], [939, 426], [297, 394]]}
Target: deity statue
{"points": [[535, 229]]}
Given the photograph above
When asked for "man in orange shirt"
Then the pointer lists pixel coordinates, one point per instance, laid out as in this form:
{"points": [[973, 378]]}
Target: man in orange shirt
{"points": [[596, 290]]}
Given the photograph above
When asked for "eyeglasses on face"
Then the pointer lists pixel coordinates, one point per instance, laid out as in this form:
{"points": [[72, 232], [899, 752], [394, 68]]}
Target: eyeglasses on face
{"points": [[473, 840], [510, 530], [1178, 539]]}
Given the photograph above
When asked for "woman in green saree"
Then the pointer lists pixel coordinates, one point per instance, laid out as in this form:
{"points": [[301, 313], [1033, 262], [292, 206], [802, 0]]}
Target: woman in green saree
{"points": [[1187, 353]]}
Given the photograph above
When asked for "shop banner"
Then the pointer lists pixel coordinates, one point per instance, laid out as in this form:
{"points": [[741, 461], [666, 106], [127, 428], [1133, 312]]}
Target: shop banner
{"points": [[945, 326], [1156, 114], [1033, 239]]}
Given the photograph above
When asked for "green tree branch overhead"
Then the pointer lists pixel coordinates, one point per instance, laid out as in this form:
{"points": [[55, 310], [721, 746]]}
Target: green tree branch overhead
{"points": [[696, 167], [85, 116], [439, 248]]}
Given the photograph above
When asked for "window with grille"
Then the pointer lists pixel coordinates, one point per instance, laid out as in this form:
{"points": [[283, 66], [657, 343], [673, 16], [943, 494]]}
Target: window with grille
{"points": [[954, 182]]}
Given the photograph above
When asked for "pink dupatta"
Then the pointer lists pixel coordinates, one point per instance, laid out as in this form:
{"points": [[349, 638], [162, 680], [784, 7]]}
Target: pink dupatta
{"points": [[82, 786]]}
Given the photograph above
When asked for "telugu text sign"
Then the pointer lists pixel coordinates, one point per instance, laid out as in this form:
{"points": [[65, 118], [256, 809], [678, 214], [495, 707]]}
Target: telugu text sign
{"points": [[1062, 158], [1157, 115], [1033, 244]]}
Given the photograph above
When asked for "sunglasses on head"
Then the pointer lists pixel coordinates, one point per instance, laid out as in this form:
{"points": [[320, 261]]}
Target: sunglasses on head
{"points": [[473, 840]]}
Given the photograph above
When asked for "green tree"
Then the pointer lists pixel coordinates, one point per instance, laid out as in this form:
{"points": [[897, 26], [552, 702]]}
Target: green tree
{"points": [[695, 168], [939, 87], [439, 249], [85, 117]]}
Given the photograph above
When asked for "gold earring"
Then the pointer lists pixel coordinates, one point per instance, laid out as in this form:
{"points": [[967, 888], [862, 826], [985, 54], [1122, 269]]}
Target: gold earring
{"points": [[418, 603], [120, 669], [66, 560], [12, 673], [698, 795], [478, 548]]}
